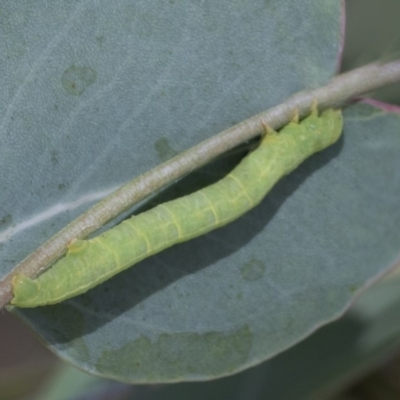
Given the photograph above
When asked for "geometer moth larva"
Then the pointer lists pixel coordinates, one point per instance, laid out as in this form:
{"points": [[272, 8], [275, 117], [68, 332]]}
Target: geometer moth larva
{"points": [[90, 262]]}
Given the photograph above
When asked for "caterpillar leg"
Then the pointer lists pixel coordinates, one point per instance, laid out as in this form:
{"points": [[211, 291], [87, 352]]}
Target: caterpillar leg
{"points": [[295, 118], [314, 108], [76, 245], [268, 130]]}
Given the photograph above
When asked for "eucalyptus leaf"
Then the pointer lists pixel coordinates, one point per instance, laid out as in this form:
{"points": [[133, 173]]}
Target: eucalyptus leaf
{"points": [[316, 368], [96, 93]]}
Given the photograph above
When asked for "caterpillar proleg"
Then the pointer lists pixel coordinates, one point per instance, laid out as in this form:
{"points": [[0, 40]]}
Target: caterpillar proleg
{"points": [[91, 262]]}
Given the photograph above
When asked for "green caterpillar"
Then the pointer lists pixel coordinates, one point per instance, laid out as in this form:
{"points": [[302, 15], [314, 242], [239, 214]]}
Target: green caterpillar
{"points": [[91, 262]]}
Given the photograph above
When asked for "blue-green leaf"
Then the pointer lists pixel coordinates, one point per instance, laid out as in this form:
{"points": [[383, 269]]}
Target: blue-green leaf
{"points": [[96, 93]]}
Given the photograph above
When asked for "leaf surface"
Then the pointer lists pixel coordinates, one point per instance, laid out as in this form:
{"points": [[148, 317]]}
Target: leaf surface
{"points": [[96, 93]]}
